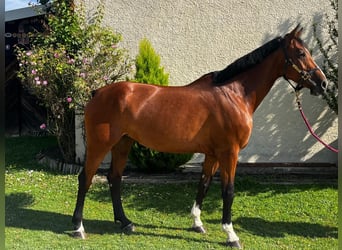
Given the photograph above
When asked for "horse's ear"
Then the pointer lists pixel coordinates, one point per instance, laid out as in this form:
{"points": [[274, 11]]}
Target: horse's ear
{"points": [[296, 33]]}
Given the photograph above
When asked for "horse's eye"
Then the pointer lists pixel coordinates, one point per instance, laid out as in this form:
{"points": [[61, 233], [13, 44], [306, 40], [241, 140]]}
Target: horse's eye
{"points": [[301, 53]]}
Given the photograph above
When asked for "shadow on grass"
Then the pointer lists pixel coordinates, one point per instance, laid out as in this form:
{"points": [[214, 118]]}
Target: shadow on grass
{"points": [[20, 216], [279, 229]]}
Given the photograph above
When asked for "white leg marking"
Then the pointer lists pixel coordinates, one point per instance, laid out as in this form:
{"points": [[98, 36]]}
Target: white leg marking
{"points": [[228, 228], [80, 231], [196, 215]]}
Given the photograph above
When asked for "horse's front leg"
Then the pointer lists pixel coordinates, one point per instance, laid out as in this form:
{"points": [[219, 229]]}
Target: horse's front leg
{"points": [[209, 169], [227, 173]]}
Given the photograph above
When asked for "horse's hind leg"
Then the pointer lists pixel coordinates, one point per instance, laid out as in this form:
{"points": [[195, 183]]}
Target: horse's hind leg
{"points": [[94, 157], [209, 169], [119, 158]]}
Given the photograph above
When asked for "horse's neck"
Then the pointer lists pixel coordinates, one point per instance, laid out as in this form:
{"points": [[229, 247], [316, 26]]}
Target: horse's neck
{"points": [[258, 81]]}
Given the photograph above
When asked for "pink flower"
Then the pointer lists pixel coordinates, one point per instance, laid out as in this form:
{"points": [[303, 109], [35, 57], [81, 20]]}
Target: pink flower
{"points": [[43, 126], [36, 78], [38, 82], [56, 55], [45, 82], [71, 61], [34, 71], [106, 78], [69, 99], [85, 60], [83, 75], [28, 53]]}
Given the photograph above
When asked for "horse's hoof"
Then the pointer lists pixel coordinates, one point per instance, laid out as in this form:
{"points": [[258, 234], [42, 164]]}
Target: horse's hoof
{"points": [[199, 229], [234, 244], [79, 232], [130, 228], [79, 235]]}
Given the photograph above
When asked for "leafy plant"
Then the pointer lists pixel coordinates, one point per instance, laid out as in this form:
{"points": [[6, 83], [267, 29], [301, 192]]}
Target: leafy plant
{"points": [[149, 71], [72, 57], [329, 50], [147, 63]]}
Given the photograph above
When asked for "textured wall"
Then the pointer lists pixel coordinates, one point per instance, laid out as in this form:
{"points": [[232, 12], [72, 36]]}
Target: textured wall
{"points": [[195, 37]]}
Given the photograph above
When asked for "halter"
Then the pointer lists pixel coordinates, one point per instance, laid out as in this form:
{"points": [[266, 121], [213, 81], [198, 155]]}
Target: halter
{"points": [[305, 75]]}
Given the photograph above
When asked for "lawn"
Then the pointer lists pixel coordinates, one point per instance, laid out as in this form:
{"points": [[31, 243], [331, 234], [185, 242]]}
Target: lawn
{"points": [[39, 205]]}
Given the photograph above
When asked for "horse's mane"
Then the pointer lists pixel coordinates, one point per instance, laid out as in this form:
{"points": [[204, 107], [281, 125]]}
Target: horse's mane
{"points": [[246, 62]]}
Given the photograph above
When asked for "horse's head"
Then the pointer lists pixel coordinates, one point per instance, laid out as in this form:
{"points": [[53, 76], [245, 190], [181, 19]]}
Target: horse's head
{"points": [[300, 67]]}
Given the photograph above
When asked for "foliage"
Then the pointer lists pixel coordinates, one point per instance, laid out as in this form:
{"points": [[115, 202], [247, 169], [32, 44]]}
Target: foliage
{"points": [[43, 1], [149, 160], [329, 50], [74, 56], [148, 70]]}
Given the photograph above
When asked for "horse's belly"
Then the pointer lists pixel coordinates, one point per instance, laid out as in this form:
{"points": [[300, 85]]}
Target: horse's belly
{"points": [[172, 133], [167, 141]]}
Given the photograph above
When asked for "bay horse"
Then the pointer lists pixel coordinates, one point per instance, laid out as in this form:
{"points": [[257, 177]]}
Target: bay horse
{"points": [[212, 115]]}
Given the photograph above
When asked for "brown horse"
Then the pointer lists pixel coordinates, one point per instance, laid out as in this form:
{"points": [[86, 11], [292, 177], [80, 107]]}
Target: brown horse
{"points": [[213, 115]]}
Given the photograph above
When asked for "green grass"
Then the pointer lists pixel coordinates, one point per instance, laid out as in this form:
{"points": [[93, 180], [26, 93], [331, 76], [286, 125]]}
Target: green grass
{"points": [[39, 205]]}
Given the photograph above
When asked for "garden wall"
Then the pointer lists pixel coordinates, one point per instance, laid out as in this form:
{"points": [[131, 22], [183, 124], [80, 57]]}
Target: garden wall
{"points": [[196, 37]]}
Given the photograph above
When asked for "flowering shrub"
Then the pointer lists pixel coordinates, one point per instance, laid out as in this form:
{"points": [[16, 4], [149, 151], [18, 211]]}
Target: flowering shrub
{"points": [[64, 64]]}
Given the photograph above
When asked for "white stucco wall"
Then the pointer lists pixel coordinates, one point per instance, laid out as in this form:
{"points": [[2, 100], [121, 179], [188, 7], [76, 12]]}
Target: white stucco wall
{"points": [[195, 37]]}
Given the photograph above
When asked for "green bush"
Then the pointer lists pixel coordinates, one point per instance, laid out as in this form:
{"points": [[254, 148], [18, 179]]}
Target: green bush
{"points": [[148, 160], [149, 71], [147, 63]]}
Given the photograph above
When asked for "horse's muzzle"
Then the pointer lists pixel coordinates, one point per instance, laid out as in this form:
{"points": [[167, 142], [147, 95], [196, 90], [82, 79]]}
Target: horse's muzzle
{"points": [[320, 89]]}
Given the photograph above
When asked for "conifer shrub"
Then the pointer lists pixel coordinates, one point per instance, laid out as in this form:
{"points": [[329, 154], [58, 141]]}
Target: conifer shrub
{"points": [[149, 71], [147, 63]]}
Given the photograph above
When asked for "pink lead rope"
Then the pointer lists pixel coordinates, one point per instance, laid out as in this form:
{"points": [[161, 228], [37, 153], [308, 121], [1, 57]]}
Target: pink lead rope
{"points": [[310, 128]]}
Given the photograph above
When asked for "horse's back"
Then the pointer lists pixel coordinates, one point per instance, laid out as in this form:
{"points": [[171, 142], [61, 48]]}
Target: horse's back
{"points": [[108, 97]]}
